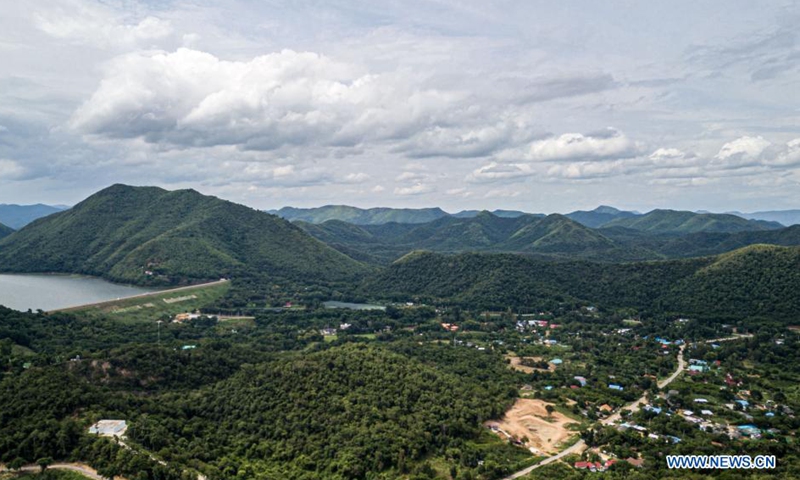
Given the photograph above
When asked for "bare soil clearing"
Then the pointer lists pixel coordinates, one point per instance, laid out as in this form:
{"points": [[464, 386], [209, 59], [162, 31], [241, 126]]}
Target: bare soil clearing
{"points": [[528, 419], [516, 364]]}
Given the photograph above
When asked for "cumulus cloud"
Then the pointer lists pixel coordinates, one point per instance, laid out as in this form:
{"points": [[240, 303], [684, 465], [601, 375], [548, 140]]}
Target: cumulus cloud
{"points": [[192, 99], [495, 171], [742, 152], [789, 156], [608, 144], [416, 189]]}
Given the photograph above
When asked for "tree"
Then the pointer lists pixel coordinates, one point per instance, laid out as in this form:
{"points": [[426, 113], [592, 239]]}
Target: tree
{"points": [[550, 409], [17, 463], [44, 462]]}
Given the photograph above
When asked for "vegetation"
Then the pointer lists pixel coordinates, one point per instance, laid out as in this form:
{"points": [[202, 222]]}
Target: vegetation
{"points": [[359, 216], [752, 281], [147, 235], [672, 221], [5, 231]]}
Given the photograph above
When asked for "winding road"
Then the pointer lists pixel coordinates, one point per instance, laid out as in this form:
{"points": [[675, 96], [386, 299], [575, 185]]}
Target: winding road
{"points": [[633, 407]]}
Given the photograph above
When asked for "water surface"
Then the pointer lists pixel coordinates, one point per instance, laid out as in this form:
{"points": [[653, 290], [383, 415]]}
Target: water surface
{"points": [[51, 292], [353, 306]]}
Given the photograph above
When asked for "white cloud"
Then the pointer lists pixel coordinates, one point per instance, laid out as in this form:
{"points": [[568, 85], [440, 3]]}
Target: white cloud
{"points": [[495, 171], [94, 25], [605, 145], [193, 99], [788, 156], [359, 177], [416, 189], [10, 170], [742, 152]]}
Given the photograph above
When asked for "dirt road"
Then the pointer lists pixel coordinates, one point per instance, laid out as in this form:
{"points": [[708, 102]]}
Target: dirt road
{"points": [[81, 468], [633, 407]]}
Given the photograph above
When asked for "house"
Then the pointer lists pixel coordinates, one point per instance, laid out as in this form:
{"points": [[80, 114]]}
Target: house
{"points": [[697, 368], [706, 412], [606, 408], [636, 462], [749, 430], [327, 332], [556, 361], [700, 400], [743, 403], [109, 428], [656, 410], [614, 386], [188, 347], [580, 380], [344, 326]]}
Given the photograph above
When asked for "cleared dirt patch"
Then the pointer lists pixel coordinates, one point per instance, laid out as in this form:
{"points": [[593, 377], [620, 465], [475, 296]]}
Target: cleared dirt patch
{"points": [[528, 419], [516, 364]]}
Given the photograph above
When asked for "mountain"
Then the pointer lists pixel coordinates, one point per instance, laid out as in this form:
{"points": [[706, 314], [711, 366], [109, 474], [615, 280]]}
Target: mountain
{"points": [[785, 217], [757, 280], [554, 235], [5, 231], [680, 222], [360, 216], [498, 213], [599, 216], [17, 216], [149, 235]]}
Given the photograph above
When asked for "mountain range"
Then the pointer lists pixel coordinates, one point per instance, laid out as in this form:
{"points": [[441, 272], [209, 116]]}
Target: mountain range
{"points": [[147, 235], [599, 217], [17, 216], [654, 236]]}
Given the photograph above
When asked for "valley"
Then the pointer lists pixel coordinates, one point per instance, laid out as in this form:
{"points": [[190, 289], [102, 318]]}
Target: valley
{"points": [[475, 347]]}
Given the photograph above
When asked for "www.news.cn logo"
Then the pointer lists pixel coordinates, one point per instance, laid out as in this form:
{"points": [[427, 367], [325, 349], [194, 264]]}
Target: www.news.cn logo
{"points": [[723, 462]]}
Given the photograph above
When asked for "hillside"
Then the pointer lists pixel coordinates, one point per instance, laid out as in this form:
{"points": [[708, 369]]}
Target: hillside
{"points": [[5, 231], [756, 280], [148, 235], [680, 222], [17, 216], [554, 235], [599, 216]]}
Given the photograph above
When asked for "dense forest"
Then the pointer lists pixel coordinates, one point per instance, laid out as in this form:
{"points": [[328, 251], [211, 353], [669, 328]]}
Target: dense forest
{"points": [[147, 235]]}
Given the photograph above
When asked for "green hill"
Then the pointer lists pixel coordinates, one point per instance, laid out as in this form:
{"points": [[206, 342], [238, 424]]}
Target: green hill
{"points": [[554, 235], [599, 216], [5, 231], [756, 280], [679, 222], [150, 235]]}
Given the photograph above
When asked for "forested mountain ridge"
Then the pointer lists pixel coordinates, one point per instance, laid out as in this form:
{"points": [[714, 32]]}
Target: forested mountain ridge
{"points": [[756, 280], [553, 235], [674, 221], [599, 216], [360, 216], [150, 235], [17, 216], [5, 231]]}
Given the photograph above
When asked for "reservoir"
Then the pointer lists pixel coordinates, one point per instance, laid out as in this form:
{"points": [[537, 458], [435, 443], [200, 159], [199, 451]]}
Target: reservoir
{"points": [[51, 292], [353, 306]]}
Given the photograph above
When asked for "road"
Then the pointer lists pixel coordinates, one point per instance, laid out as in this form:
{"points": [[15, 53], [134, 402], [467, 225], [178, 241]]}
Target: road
{"points": [[141, 295], [633, 407], [81, 468]]}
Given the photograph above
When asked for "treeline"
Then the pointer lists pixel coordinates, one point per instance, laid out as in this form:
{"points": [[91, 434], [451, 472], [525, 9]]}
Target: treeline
{"points": [[755, 281]]}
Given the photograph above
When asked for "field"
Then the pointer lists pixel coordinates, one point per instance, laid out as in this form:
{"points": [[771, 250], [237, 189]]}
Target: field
{"points": [[528, 419], [516, 364], [158, 305]]}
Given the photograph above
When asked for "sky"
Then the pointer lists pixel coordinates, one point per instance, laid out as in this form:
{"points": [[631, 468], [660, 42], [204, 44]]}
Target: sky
{"points": [[533, 105]]}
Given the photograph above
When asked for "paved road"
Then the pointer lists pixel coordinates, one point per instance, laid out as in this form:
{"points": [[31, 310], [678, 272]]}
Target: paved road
{"points": [[81, 468], [141, 295], [633, 407]]}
